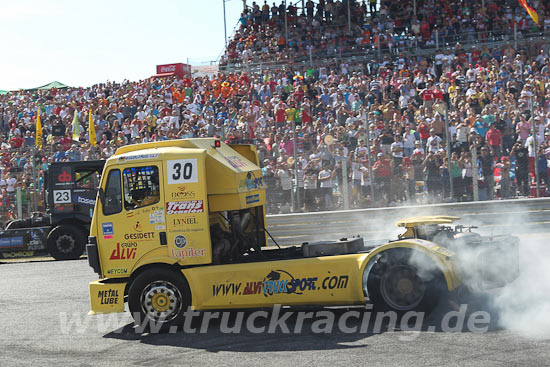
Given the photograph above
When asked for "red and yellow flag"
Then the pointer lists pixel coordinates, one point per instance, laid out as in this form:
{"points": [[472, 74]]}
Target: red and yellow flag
{"points": [[532, 13]]}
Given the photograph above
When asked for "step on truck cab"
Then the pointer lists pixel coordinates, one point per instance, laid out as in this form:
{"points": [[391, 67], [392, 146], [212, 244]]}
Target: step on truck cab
{"points": [[181, 224]]}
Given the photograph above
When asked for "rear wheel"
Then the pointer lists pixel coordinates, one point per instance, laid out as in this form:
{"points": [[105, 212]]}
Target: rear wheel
{"points": [[66, 242], [158, 298], [398, 284]]}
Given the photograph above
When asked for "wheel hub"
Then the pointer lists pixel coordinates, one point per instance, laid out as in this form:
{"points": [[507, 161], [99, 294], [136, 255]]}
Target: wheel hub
{"points": [[65, 243], [405, 285], [161, 301], [401, 287]]}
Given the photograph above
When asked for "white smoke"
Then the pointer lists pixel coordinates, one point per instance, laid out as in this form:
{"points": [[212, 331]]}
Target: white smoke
{"points": [[523, 306]]}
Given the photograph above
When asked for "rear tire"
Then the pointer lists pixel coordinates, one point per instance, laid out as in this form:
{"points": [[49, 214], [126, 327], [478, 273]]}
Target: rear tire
{"points": [[396, 284], [66, 242], [158, 298]]}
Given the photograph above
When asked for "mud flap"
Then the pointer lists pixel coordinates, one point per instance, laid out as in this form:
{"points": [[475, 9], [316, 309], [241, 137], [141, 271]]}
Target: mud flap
{"points": [[106, 297]]}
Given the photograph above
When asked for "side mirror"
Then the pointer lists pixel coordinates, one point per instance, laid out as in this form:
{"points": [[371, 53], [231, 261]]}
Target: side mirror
{"points": [[101, 195]]}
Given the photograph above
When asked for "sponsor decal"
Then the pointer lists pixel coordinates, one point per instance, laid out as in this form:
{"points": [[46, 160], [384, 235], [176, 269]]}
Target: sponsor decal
{"points": [[117, 271], [251, 199], [186, 220], [124, 251], [137, 157], [83, 200], [160, 228], [252, 183], [157, 217], [63, 207], [182, 193], [281, 281], [186, 230], [64, 177], [108, 297], [180, 241], [35, 245], [138, 227], [184, 207], [145, 236], [235, 161], [12, 241], [130, 214], [108, 231], [168, 69], [188, 252], [10, 255]]}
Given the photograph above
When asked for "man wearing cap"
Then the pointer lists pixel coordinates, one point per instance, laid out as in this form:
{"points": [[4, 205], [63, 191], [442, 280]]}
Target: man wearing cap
{"points": [[418, 150]]}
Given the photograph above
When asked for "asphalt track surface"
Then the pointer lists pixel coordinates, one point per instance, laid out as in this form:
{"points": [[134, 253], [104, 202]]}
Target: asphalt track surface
{"points": [[38, 297]]}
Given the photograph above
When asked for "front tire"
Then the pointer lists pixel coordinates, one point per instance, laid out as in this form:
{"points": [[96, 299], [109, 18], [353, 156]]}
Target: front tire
{"points": [[398, 284], [158, 298], [66, 242]]}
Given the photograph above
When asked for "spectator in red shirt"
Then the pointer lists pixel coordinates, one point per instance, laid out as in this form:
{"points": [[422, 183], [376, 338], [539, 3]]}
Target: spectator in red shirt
{"points": [[424, 132], [280, 114], [494, 138], [66, 142], [428, 95], [17, 141]]}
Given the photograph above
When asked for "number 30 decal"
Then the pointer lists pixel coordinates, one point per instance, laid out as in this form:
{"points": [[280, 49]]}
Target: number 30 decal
{"points": [[182, 171]]}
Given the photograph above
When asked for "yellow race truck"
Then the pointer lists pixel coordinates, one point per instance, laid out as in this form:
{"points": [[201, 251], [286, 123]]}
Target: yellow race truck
{"points": [[181, 224]]}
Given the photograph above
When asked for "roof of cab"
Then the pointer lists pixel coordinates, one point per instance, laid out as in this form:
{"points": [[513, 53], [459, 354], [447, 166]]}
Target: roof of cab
{"points": [[428, 219], [227, 171]]}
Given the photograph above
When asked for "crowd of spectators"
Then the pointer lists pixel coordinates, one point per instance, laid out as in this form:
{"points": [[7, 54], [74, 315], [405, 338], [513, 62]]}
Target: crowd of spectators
{"points": [[323, 27], [397, 107]]}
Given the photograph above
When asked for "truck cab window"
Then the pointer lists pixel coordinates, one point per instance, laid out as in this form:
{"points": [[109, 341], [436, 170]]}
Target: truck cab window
{"points": [[113, 194], [141, 187]]}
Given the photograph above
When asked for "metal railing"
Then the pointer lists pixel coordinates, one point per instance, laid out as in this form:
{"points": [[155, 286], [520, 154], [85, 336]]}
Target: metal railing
{"points": [[497, 217]]}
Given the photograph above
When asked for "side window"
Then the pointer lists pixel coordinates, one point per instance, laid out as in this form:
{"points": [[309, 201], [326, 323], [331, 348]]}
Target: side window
{"points": [[141, 186], [113, 194], [87, 179]]}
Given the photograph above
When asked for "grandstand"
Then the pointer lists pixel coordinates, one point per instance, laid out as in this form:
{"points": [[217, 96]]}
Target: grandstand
{"points": [[444, 101]]}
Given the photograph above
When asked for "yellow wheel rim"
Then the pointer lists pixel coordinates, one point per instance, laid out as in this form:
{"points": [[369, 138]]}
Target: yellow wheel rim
{"points": [[160, 302]]}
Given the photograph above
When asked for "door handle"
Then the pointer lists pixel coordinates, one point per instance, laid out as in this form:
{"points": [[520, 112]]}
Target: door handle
{"points": [[163, 241]]}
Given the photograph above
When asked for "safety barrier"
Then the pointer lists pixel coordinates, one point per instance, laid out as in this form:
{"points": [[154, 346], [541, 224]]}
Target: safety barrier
{"points": [[497, 217]]}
